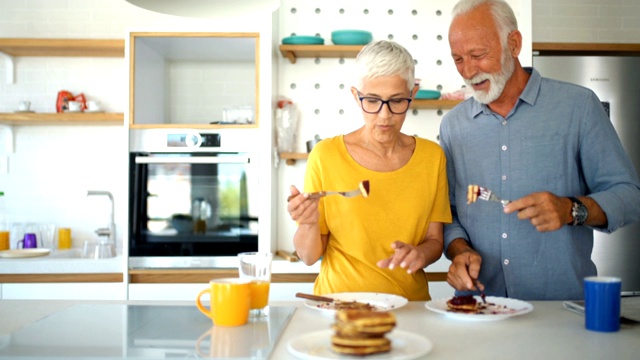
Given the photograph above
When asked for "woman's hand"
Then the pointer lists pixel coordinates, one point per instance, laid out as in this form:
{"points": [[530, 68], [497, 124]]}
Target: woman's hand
{"points": [[301, 208], [406, 256]]}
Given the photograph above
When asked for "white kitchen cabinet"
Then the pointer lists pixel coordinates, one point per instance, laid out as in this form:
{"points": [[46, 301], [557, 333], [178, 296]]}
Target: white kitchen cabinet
{"points": [[194, 79], [64, 291]]}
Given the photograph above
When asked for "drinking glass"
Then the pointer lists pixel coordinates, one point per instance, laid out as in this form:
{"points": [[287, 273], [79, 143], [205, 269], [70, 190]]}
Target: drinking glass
{"points": [[256, 267], [47, 232]]}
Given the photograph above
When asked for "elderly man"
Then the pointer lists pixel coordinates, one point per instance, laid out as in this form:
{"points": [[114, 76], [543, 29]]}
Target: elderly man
{"points": [[546, 145]]}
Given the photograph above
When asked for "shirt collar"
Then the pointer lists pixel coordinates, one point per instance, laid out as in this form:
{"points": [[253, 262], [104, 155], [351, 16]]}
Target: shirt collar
{"points": [[529, 94]]}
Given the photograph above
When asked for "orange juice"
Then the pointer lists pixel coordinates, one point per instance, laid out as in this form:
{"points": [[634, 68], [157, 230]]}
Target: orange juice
{"points": [[259, 294]]}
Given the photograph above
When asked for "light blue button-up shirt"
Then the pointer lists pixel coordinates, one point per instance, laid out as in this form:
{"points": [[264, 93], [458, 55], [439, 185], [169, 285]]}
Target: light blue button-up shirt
{"points": [[557, 138]]}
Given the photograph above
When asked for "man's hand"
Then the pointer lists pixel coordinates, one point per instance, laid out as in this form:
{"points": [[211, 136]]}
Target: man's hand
{"points": [[465, 266], [545, 211]]}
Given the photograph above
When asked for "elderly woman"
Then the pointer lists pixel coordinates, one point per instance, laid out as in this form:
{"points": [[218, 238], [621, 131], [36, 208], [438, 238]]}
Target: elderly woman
{"points": [[382, 242]]}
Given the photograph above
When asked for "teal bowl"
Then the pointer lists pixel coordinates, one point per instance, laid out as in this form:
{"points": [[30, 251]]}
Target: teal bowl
{"points": [[428, 94], [303, 40], [351, 37]]}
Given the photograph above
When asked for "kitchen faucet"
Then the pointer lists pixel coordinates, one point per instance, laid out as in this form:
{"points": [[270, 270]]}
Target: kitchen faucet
{"points": [[109, 231]]}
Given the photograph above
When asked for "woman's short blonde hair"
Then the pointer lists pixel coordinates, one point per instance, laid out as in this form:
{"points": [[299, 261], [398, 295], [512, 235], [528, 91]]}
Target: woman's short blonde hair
{"points": [[384, 58]]}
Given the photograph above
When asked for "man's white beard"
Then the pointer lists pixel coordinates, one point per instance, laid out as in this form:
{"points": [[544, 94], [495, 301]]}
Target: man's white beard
{"points": [[497, 81]]}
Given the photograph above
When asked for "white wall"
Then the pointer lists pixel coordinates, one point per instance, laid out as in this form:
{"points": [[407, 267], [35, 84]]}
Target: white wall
{"points": [[586, 21]]}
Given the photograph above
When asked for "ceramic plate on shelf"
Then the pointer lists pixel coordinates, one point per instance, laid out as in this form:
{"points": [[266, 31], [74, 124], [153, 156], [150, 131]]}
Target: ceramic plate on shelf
{"points": [[24, 253], [498, 308], [351, 37], [317, 346], [303, 40], [428, 94], [380, 301]]}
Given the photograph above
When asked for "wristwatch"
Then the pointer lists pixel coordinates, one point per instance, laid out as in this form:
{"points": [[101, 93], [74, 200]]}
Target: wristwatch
{"points": [[578, 211]]}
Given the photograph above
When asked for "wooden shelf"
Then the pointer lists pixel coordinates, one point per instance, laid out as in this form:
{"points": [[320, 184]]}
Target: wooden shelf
{"points": [[293, 52], [290, 158], [63, 47], [434, 104], [586, 48], [62, 118]]}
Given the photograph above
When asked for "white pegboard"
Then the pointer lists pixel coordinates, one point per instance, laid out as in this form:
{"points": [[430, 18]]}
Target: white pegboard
{"points": [[320, 87]]}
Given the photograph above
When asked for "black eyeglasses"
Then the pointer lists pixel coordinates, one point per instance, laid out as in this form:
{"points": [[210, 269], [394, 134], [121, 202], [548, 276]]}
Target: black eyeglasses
{"points": [[373, 105]]}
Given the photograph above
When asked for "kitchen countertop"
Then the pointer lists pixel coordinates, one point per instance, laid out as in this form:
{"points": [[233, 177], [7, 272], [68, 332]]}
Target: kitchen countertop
{"points": [[132, 330], [70, 261], [61, 262]]}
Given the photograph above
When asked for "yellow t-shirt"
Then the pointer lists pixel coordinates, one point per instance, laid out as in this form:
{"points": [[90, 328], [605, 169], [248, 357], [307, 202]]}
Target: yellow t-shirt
{"points": [[400, 206]]}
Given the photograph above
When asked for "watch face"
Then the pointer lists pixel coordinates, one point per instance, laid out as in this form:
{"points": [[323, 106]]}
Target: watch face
{"points": [[579, 213]]}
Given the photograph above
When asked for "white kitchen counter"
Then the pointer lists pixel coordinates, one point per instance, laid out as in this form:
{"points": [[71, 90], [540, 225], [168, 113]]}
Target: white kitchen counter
{"points": [[124, 330], [62, 262], [70, 261]]}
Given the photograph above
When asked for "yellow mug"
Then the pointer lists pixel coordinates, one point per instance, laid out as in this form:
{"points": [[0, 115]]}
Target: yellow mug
{"points": [[230, 301], [64, 238], [4, 240]]}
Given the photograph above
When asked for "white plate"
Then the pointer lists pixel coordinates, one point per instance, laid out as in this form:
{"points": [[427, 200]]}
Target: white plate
{"points": [[382, 302], [24, 253], [317, 346], [518, 307]]}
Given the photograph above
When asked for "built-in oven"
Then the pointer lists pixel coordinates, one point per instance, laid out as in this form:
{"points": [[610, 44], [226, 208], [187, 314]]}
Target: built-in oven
{"points": [[192, 201]]}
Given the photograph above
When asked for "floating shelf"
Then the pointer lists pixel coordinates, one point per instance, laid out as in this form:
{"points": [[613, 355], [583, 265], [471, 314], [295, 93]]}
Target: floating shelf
{"points": [[63, 47], [290, 157], [10, 48], [62, 118], [293, 52], [434, 104]]}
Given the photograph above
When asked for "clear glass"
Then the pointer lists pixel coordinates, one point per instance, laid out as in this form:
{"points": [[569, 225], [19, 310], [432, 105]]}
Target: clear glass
{"points": [[256, 266], [373, 105]]}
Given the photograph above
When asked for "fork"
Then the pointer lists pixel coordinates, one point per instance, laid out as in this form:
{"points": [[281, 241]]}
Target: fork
{"points": [[319, 194], [363, 190], [488, 195]]}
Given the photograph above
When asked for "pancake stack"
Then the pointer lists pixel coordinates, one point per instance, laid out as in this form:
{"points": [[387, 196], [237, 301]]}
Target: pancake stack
{"points": [[362, 332]]}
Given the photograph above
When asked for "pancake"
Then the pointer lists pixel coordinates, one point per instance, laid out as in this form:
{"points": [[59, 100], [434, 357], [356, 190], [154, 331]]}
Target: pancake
{"points": [[361, 332], [360, 350], [464, 304], [365, 318], [348, 330]]}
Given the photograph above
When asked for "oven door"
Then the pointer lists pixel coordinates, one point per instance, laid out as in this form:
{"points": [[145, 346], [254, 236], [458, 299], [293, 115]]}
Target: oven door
{"points": [[191, 209]]}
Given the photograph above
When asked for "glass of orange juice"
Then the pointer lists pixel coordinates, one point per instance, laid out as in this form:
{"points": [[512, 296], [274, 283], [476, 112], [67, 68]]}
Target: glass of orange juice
{"points": [[256, 267]]}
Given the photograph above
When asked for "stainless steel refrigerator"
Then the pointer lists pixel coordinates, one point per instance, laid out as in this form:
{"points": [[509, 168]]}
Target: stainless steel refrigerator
{"points": [[616, 81]]}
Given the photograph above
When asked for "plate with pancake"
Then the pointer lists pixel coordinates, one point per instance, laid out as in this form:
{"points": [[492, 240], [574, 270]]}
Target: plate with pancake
{"points": [[496, 308], [366, 300], [317, 346]]}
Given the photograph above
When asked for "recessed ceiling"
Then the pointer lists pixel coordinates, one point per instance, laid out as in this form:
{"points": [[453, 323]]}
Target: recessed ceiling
{"points": [[207, 8]]}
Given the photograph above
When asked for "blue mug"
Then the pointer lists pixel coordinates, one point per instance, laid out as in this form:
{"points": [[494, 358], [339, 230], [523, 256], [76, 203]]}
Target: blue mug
{"points": [[29, 242], [602, 301]]}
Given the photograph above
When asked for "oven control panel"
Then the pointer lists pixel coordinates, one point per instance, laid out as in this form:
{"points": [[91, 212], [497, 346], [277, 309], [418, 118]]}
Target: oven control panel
{"points": [[193, 140]]}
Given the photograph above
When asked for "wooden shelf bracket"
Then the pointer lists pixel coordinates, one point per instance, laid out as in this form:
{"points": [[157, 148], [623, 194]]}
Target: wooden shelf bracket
{"points": [[8, 138], [10, 72]]}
